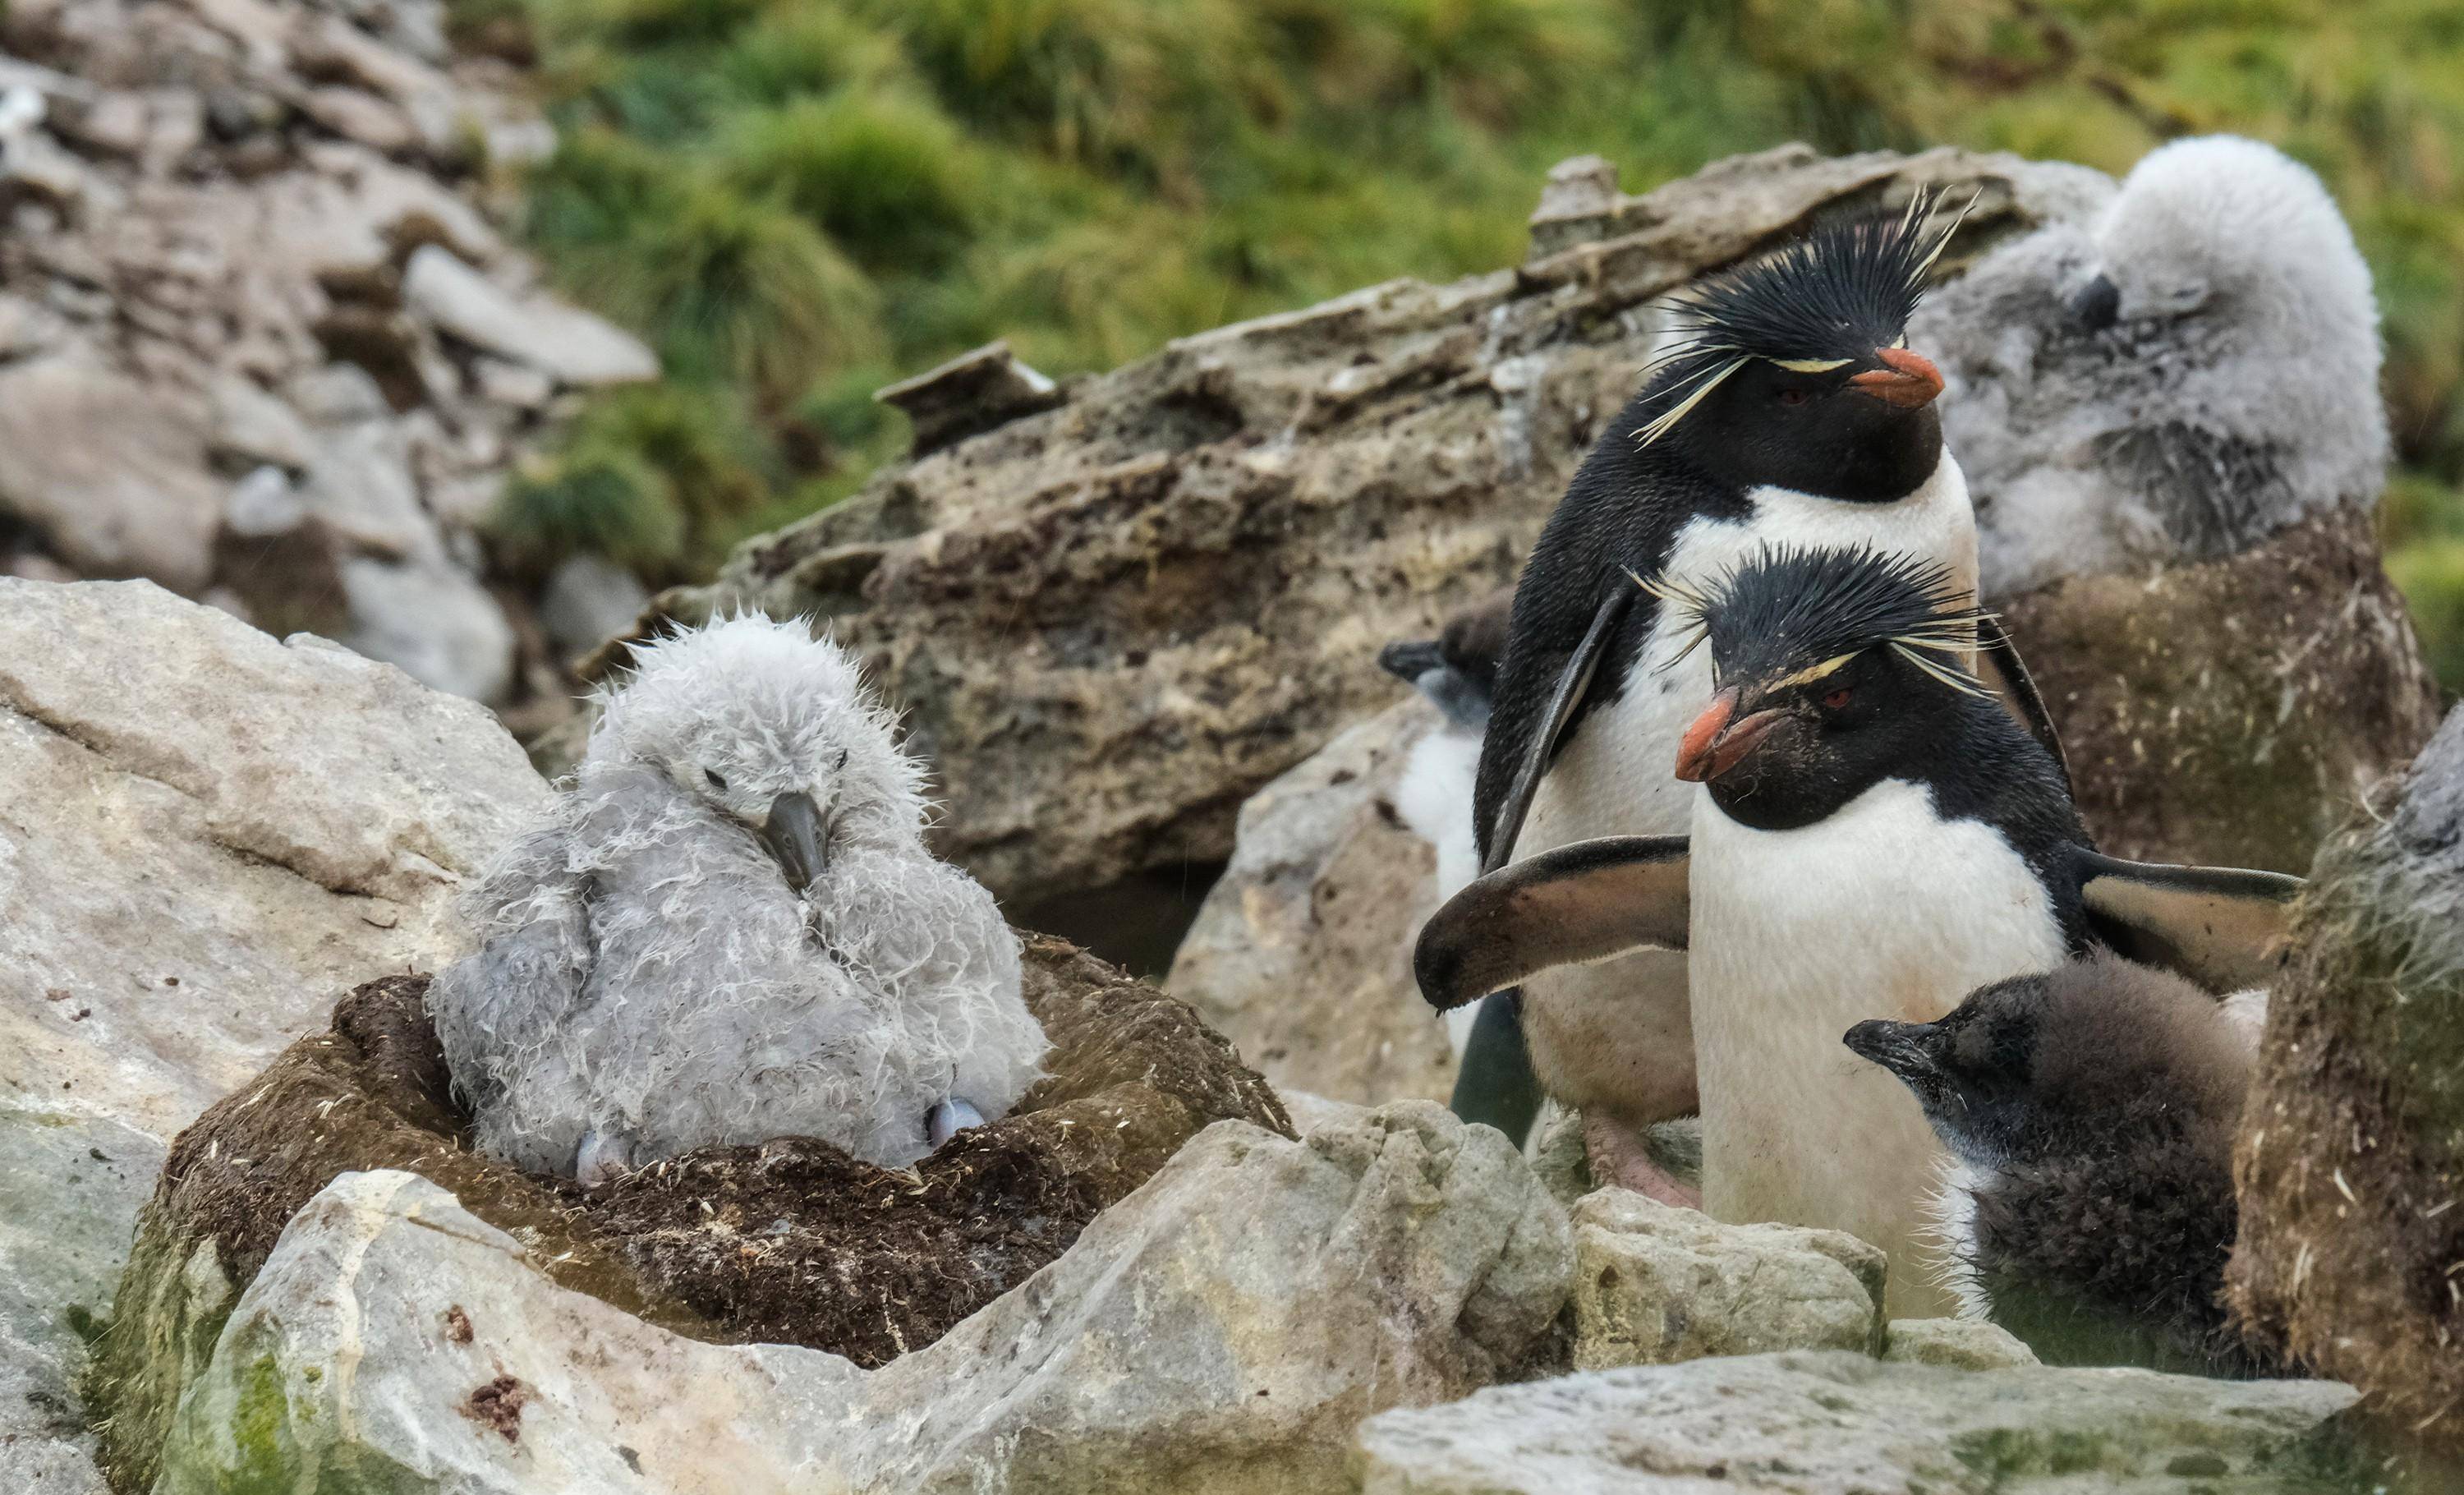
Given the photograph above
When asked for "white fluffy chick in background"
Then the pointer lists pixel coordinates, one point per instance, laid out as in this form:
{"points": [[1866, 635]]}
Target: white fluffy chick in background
{"points": [[728, 929], [2180, 376]]}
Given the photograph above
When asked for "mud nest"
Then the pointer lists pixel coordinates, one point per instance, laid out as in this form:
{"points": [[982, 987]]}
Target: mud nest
{"points": [[791, 1241]]}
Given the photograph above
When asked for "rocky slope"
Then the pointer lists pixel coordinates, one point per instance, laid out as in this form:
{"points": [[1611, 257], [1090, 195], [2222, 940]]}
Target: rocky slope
{"points": [[256, 342]]}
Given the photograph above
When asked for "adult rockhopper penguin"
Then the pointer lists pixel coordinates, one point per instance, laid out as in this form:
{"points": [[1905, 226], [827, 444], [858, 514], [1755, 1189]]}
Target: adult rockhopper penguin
{"points": [[1790, 410], [1875, 837]]}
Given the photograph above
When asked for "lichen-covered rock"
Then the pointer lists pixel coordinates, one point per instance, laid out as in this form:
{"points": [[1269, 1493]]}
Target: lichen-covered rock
{"points": [[209, 833], [1112, 621], [1654, 1285], [2351, 1162], [1223, 1329], [1967, 1344], [2231, 711], [791, 1241], [1301, 953], [1834, 1423]]}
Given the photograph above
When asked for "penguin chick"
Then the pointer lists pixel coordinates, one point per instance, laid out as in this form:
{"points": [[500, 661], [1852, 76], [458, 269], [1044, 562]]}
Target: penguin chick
{"points": [[2089, 1115], [728, 929], [2177, 379], [1457, 671]]}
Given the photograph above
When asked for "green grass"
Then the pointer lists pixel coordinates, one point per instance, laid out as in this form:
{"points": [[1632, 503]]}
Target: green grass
{"points": [[795, 200]]}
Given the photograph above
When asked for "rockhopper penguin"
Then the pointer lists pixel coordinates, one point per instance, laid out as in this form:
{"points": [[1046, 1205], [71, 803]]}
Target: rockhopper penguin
{"points": [[1875, 834], [728, 929], [1792, 410], [2089, 1115]]}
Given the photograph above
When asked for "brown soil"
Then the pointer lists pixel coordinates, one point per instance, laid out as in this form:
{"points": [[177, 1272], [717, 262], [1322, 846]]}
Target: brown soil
{"points": [[2232, 713]]}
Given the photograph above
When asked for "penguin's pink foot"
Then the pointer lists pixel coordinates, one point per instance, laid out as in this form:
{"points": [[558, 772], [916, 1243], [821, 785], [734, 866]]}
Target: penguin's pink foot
{"points": [[1619, 1156]]}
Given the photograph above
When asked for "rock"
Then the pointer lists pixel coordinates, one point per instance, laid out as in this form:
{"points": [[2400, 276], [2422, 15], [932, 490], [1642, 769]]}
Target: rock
{"points": [[361, 117], [511, 385], [589, 599], [358, 481], [852, 1258], [432, 619], [1654, 1285], [1581, 193], [2246, 755], [251, 426], [1301, 953], [572, 346], [1964, 1344], [1831, 1422], [337, 394], [969, 395], [1188, 1342], [111, 473], [2351, 1160], [209, 834], [1111, 621]]}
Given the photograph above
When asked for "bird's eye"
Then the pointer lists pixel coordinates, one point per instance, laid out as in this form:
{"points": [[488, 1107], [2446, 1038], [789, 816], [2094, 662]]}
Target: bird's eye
{"points": [[715, 781], [1837, 700], [1794, 396]]}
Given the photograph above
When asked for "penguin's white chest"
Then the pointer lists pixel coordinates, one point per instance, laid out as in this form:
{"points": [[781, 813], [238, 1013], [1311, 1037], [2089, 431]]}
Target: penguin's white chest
{"points": [[1616, 776], [1883, 910]]}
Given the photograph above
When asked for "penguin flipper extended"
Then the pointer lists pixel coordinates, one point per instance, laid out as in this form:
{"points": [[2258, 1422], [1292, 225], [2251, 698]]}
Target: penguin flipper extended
{"points": [[1572, 906], [1573, 681], [2220, 927], [1999, 665]]}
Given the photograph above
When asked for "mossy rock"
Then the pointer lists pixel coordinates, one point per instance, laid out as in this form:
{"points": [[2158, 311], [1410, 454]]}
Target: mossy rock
{"points": [[790, 1242]]}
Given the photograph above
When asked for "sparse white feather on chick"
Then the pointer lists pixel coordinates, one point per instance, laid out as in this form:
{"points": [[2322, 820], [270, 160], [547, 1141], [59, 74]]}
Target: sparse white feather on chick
{"points": [[1433, 798], [2232, 391], [650, 977]]}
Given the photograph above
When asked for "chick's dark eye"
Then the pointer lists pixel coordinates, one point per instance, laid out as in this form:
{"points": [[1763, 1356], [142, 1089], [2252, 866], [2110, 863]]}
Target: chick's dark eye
{"points": [[1837, 700], [1794, 396], [715, 781]]}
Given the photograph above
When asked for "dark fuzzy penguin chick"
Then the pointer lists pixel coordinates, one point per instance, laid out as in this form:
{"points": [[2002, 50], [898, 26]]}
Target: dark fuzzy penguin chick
{"points": [[2091, 1114]]}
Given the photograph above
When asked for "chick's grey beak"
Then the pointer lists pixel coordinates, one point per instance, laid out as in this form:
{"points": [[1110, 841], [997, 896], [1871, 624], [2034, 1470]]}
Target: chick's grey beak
{"points": [[2097, 304], [1899, 1047], [794, 837]]}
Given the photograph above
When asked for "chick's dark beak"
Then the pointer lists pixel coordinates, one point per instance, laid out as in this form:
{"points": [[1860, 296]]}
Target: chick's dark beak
{"points": [[1901, 1048], [1907, 380], [2097, 304], [1718, 741], [794, 837]]}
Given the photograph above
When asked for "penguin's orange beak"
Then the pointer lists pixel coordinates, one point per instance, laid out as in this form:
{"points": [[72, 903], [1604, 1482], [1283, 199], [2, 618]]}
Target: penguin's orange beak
{"points": [[1717, 741], [1907, 380]]}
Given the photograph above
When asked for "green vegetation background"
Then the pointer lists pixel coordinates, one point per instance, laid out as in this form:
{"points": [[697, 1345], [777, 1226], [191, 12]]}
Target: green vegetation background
{"points": [[799, 201]]}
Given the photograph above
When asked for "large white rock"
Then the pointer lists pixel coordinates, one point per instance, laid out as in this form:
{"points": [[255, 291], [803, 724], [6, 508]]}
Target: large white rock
{"points": [[1654, 1285], [110, 471], [1831, 1422], [207, 836], [1224, 1329], [574, 346], [1301, 953]]}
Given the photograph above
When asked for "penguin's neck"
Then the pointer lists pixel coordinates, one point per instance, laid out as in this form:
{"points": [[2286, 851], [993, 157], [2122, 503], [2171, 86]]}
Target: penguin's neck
{"points": [[1884, 909], [1616, 774]]}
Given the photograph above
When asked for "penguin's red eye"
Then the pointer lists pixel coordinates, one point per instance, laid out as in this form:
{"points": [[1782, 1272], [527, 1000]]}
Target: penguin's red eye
{"points": [[1794, 396], [1837, 700]]}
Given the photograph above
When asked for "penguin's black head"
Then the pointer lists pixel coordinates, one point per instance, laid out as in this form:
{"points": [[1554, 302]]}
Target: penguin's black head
{"points": [[2058, 1066], [1794, 370], [1836, 669]]}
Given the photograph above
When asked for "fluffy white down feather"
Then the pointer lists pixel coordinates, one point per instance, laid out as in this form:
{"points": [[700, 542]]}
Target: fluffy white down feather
{"points": [[2235, 392], [648, 979]]}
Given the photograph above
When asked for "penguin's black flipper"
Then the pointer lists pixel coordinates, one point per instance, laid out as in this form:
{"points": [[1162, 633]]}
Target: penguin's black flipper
{"points": [[1572, 682], [1999, 665], [2220, 927], [1495, 1086], [1576, 903]]}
